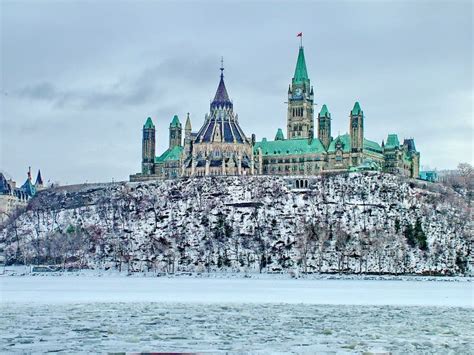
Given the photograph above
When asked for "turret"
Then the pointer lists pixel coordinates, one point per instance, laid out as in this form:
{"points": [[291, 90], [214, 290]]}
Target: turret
{"points": [[28, 188], [279, 135], [187, 135], [324, 126], [175, 132], [148, 148], [39, 181], [356, 128]]}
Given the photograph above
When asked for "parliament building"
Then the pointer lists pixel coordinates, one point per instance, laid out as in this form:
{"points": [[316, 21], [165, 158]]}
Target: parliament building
{"points": [[220, 146]]}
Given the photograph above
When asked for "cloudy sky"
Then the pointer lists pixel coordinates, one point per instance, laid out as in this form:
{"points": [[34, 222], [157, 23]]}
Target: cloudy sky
{"points": [[79, 78]]}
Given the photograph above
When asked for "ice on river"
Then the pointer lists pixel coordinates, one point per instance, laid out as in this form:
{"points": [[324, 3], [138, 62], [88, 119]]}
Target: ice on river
{"points": [[69, 289], [41, 314]]}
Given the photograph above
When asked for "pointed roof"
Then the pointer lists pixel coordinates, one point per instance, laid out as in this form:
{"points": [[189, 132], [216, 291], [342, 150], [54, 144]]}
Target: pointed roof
{"points": [[28, 188], [5, 187], [410, 144], [301, 73], [279, 135], [221, 98], [221, 93], [149, 123], [324, 111], [356, 110], [392, 141], [187, 126], [175, 122], [39, 179]]}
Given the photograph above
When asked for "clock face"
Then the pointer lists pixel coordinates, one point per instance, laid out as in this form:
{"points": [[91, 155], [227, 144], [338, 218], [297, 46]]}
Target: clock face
{"points": [[298, 92]]}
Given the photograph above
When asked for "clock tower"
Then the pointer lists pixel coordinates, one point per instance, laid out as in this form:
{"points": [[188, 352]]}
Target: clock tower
{"points": [[300, 122]]}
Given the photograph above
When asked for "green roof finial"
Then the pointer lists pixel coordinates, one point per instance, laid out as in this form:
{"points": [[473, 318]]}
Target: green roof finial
{"points": [[301, 73], [149, 123], [279, 135], [356, 110], [175, 122], [324, 111]]}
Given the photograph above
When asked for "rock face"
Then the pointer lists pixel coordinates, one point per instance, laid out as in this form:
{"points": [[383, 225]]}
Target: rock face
{"points": [[359, 223]]}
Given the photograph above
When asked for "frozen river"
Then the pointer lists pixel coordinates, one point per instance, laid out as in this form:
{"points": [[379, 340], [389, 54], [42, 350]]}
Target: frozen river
{"points": [[102, 314]]}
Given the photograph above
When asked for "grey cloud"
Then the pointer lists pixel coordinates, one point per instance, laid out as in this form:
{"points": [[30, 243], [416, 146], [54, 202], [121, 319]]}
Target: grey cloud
{"points": [[73, 83], [149, 84]]}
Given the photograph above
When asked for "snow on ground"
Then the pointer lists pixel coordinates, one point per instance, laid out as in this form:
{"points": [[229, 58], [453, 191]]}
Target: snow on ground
{"points": [[245, 315]]}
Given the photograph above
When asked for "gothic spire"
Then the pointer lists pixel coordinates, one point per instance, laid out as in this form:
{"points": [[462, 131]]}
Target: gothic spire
{"points": [[39, 179], [301, 73], [187, 126], [221, 98]]}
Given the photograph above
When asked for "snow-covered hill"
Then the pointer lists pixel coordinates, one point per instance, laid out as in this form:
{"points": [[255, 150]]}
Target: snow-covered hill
{"points": [[360, 222]]}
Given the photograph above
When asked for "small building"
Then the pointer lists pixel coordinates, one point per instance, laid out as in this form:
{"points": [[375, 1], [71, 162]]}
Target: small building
{"points": [[429, 175]]}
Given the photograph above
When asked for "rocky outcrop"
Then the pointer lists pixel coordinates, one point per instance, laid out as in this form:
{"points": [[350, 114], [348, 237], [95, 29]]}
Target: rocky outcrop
{"points": [[359, 223]]}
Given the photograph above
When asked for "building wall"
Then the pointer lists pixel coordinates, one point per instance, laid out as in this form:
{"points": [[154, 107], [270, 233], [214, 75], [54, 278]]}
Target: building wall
{"points": [[8, 204]]}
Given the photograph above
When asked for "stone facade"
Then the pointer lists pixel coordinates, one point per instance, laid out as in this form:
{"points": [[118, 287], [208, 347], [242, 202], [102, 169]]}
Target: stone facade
{"points": [[220, 147]]}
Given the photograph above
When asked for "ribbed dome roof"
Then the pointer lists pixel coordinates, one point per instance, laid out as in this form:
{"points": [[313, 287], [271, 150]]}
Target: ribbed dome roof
{"points": [[221, 125]]}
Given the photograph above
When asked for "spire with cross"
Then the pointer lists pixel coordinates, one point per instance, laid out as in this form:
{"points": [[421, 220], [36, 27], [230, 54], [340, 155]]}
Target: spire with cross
{"points": [[221, 98], [222, 67]]}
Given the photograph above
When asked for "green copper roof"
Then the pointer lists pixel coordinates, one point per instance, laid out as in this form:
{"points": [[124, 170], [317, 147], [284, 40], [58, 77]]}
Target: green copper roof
{"points": [[149, 123], [345, 140], [28, 188], [372, 146], [356, 110], [175, 122], [324, 111], [289, 147], [279, 136], [172, 154], [301, 74], [392, 141]]}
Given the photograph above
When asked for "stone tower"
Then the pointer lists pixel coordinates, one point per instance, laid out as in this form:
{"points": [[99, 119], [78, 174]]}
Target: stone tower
{"points": [[148, 148], [300, 123], [175, 132], [187, 136], [324, 126], [357, 128]]}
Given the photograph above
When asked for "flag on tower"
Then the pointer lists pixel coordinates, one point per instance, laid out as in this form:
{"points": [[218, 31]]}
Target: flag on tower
{"points": [[299, 34]]}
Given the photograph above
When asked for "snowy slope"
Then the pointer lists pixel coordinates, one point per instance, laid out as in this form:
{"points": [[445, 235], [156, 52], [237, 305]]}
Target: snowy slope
{"points": [[341, 223]]}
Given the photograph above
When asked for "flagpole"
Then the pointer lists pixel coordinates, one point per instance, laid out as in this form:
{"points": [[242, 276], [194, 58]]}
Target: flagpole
{"points": [[301, 40]]}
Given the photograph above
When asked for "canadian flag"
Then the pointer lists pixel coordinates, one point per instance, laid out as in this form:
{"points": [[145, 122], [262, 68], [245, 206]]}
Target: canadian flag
{"points": [[299, 34]]}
